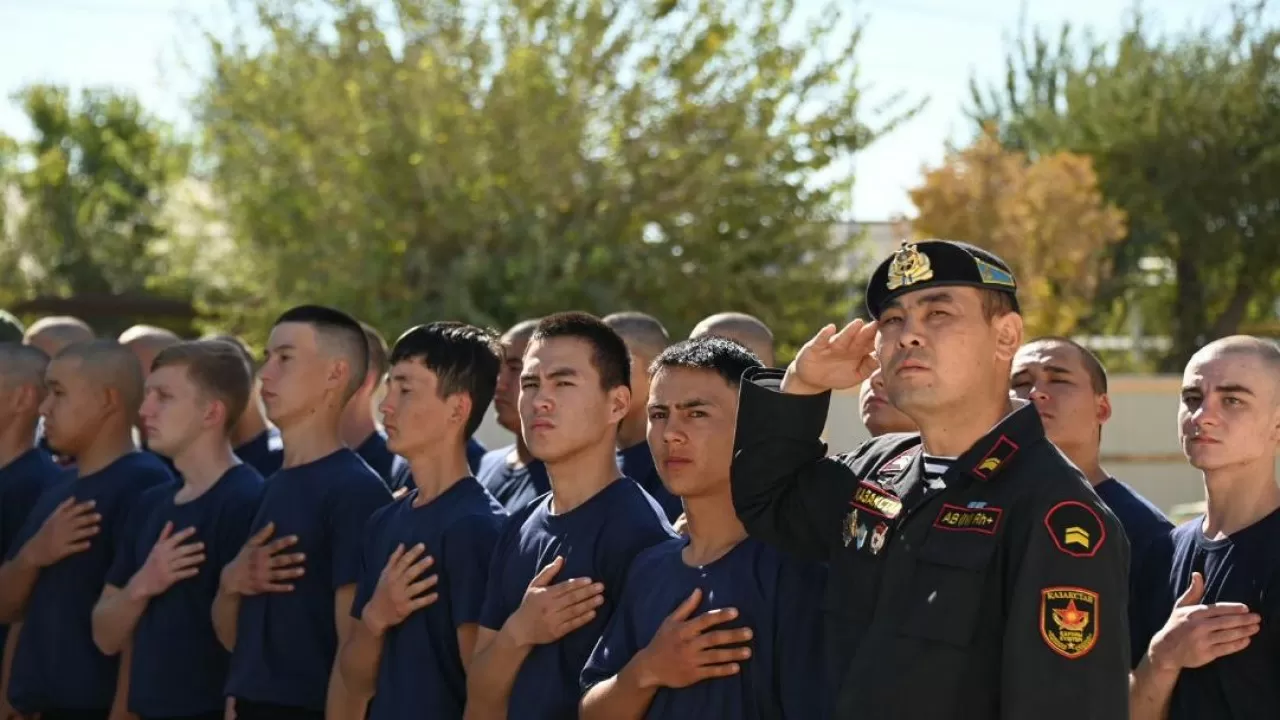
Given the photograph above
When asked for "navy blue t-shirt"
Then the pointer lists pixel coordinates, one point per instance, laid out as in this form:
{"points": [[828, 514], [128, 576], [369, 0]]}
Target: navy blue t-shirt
{"points": [[374, 452], [598, 540], [286, 642], [1242, 568], [514, 486], [778, 597], [57, 666], [1148, 531], [402, 474], [264, 453], [179, 668], [21, 483], [421, 673], [636, 462]]}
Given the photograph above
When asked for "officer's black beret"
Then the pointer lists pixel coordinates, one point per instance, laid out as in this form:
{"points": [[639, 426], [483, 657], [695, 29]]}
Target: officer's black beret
{"points": [[937, 263]]}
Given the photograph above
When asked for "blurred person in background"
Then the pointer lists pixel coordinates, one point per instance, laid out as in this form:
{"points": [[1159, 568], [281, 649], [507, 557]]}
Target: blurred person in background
{"points": [[512, 474], [746, 330]]}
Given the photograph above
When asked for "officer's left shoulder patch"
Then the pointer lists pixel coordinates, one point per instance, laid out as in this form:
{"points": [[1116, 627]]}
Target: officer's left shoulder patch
{"points": [[1069, 620], [1076, 528]]}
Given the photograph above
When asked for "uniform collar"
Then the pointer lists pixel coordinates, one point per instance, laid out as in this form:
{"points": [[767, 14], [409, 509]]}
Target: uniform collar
{"points": [[988, 457]]}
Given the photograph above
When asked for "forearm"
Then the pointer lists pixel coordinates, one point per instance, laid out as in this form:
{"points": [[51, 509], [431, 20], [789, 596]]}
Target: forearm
{"points": [[120, 704], [622, 697], [6, 662], [493, 673], [360, 659], [226, 611], [17, 580], [343, 703], [115, 617], [1150, 691]]}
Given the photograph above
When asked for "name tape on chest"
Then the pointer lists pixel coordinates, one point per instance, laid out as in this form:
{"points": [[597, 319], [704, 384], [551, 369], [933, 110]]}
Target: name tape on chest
{"points": [[876, 500], [968, 519], [1069, 620], [1076, 528]]}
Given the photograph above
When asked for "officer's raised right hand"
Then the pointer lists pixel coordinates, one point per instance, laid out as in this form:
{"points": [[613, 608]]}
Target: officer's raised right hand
{"points": [[833, 360], [1196, 634]]}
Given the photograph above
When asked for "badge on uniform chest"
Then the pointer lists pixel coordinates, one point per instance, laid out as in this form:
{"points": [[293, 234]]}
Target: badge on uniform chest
{"points": [[867, 524]]}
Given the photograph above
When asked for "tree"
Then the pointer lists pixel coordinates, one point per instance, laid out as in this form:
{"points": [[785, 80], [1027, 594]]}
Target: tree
{"points": [[90, 189], [1046, 218], [1183, 136], [419, 160]]}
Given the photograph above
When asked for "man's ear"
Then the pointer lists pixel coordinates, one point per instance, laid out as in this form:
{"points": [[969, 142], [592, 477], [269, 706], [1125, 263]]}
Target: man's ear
{"points": [[1008, 329]]}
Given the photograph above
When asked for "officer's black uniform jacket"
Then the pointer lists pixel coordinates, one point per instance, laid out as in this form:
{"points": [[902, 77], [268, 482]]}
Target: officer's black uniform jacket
{"points": [[1002, 596]]}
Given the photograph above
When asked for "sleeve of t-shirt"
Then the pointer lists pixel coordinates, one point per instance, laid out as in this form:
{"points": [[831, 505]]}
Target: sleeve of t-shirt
{"points": [[371, 566], [124, 560], [468, 547], [643, 529], [349, 515], [495, 610], [235, 524], [617, 645]]}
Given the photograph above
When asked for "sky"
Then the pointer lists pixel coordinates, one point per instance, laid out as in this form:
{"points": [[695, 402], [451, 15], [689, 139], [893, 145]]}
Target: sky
{"points": [[927, 48]]}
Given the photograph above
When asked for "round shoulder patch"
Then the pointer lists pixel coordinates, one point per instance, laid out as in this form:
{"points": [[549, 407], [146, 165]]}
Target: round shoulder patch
{"points": [[1076, 528]]}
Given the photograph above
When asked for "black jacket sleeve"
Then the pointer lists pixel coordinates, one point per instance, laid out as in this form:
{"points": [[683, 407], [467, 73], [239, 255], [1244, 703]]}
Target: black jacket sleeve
{"points": [[785, 490], [1067, 640]]}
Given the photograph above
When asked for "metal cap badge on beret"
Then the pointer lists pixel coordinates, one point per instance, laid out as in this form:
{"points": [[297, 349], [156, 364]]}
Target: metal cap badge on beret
{"points": [[937, 263]]}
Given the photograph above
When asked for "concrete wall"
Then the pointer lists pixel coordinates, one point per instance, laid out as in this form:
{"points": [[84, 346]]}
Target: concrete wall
{"points": [[1139, 444]]}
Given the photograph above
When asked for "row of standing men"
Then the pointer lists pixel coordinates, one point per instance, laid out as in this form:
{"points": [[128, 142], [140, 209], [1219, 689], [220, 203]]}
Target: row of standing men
{"points": [[973, 563]]}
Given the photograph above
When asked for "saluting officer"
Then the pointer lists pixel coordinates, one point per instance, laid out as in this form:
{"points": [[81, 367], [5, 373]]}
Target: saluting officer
{"points": [[971, 564]]}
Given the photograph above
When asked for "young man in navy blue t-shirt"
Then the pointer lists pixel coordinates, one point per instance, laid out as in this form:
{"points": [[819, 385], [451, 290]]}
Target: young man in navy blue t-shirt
{"points": [[1218, 652], [511, 473], [283, 605], [645, 338], [426, 556], [57, 565], [1068, 385], [26, 471], [715, 624], [558, 569], [161, 586]]}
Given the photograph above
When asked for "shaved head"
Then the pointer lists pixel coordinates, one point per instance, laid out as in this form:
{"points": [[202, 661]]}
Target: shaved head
{"points": [[1265, 351], [53, 334], [146, 342], [520, 332], [644, 335], [108, 364], [22, 364], [744, 329]]}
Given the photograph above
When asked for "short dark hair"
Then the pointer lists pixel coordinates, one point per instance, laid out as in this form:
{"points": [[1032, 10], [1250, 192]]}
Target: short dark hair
{"points": [[218, 368], [1092, 365], [713, 353], [609, 353], [996, 303], [341, 331], [378, 362], [464, 358]]}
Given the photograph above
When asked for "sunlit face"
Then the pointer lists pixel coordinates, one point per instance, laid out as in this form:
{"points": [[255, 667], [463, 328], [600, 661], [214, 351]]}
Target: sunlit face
{"points": [[175, 412], [877, 414], [414, 415], [297, 374], [74, 409], [935, 346], [1228, 414], [692, 416], [1053, 376], [506, 397], [563, 409]]}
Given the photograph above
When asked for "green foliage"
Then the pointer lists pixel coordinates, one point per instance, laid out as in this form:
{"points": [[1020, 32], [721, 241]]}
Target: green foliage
{"points": [[429, 159], [1184, 138], [92, 190]]}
